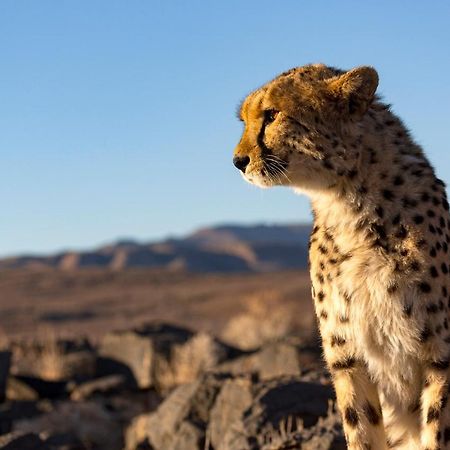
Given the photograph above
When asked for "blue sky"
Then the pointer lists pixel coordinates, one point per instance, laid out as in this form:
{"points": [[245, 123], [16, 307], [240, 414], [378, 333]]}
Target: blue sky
{"points": [[117, 118]]}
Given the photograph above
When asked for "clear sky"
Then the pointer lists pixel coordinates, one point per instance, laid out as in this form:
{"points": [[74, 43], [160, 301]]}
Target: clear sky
{"points": [[117, 118]]}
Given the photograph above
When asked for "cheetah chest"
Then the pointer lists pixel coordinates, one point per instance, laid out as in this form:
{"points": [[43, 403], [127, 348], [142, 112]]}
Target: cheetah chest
{"points": [[359, 318]]}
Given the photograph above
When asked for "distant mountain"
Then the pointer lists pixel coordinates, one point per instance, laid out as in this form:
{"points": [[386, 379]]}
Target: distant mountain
{"points": [[227, 248]]}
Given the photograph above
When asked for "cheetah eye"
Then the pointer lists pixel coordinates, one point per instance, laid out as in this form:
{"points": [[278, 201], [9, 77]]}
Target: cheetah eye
{"points": [[270, 115]]}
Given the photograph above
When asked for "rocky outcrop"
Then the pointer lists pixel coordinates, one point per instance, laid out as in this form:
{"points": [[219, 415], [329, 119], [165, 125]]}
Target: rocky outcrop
{"points": [[160, 356], [277, 397], [223, 412]]}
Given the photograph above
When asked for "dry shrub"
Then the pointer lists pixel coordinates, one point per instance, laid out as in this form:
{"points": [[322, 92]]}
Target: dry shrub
{"points": [[47, 358], [283, 437], [265, 320], [50, 365], [188, 361]]}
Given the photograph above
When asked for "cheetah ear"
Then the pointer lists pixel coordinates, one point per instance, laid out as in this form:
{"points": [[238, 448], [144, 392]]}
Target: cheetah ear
{"points": [[355, 90]]}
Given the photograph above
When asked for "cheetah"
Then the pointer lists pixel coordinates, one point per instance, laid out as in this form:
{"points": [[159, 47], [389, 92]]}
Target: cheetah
{"points": [[378, 249]]}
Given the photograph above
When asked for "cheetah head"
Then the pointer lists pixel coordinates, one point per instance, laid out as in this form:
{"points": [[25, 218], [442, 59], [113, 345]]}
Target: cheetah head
{"points": [[300, 128]]}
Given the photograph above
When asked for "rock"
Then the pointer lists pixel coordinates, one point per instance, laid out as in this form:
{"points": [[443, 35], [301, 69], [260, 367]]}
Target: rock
{"points": [[188, 437], [10, 412], [136, 435], [234, 399], [22, 441], [272, 405], [276, 359], [65, 441], [88, 422], [282, 398], [19, 390], [33, 441], [5, 362], [227, 413], [159, 355], [105, 385], [181, 419]]}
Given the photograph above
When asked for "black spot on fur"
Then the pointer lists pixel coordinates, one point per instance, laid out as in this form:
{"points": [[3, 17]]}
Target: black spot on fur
{"points": [[424, 287], [409, 202], [323, 250], [371, 413], [432, 415], [343, 364], [418, 219], [387, 194], [401, 232], [425, 334], [446, 435], [392, 288], [408, 310], [351, 417], [398, 180], [433, 272], [396, 219], [380, 211], [337, 341], [440, 365]]}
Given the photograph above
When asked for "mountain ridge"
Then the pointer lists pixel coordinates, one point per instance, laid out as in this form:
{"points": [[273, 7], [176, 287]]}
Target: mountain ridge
{"points": [[221, 248]]}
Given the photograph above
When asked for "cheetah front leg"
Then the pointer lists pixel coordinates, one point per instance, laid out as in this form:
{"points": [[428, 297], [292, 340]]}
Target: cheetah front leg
{"points": [[435, 430], [359, 404]]}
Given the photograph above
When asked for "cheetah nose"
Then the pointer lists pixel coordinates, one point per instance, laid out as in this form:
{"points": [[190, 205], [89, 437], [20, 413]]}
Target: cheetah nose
{"points": [[241, 162]]}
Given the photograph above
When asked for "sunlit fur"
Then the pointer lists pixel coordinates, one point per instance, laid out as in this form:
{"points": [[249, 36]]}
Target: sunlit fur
{"points": [[379, 248]]}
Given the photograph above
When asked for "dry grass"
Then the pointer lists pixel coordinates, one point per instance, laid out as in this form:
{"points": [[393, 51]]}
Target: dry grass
{"points": [[188, 361]]}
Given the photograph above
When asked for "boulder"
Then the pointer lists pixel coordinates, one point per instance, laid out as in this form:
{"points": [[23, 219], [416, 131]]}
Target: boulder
{"points": [[19, 390], [33, 441], [104, 385], [183, 416], [159, 355], [234, 399], [88, 422], [287, 357], [228, 412], [11, 411], [22, 441]]}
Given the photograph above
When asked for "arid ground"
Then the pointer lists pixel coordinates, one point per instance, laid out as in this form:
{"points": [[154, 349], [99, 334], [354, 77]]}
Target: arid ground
{"points": [[93, 302]]}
